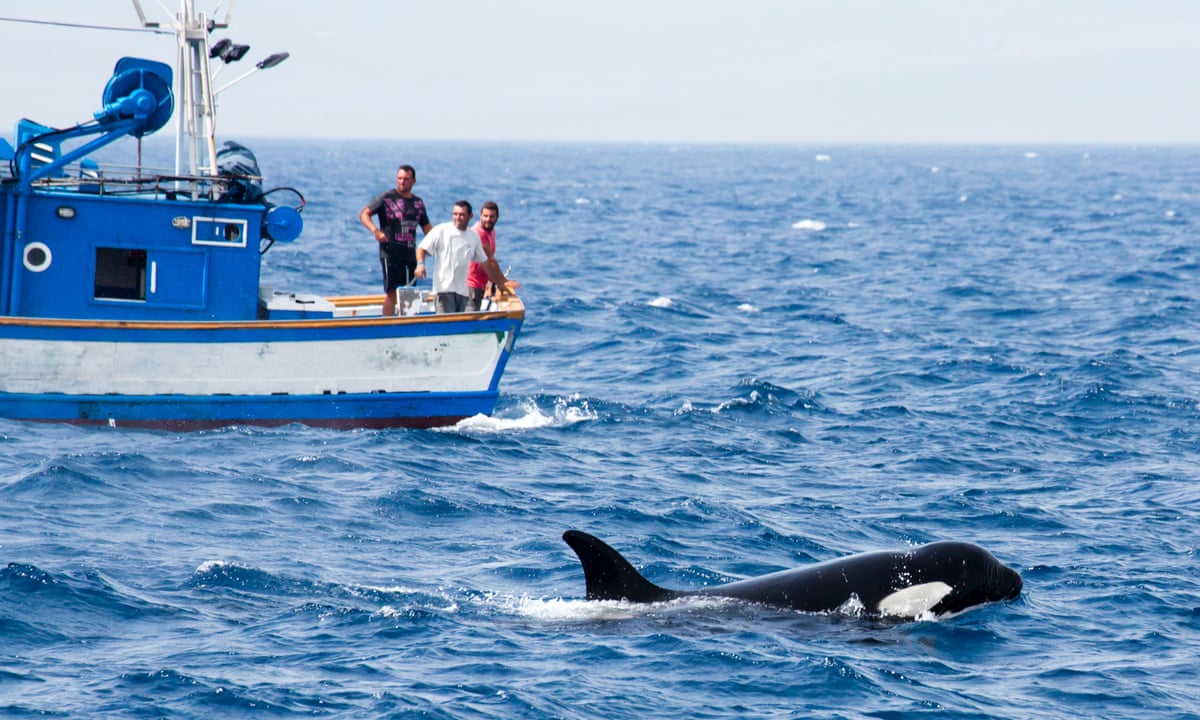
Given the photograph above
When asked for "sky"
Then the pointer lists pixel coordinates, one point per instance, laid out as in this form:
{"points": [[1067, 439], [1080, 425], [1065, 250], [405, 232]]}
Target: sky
{"points": [[677, 71]]}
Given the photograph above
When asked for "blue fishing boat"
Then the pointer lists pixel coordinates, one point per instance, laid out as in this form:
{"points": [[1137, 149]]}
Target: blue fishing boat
{"points": [[132, 297]]}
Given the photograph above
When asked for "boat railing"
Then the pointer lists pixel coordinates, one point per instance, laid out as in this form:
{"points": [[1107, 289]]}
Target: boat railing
{"points": [[87, 178]]}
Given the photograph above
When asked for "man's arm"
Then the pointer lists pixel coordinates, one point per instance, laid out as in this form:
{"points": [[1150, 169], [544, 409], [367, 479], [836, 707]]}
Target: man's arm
{"points": [[420, 271], [364, 217], [492, 268], [424, 249]]}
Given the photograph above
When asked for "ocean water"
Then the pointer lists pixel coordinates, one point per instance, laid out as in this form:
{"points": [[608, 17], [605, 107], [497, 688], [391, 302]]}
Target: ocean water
{"points": [[736, 360]]}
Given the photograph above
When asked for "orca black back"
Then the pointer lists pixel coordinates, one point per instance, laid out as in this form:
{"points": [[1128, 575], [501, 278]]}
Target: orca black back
{"points": [[934, 579]]}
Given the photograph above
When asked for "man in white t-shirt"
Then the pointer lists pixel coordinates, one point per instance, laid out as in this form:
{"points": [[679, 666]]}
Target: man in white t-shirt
{"points": [[454, 247]]}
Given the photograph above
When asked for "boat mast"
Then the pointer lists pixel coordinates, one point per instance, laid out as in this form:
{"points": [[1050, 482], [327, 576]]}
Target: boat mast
{"points": [[195, 123]]}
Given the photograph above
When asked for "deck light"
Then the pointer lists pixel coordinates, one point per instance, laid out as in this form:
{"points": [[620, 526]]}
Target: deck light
{"points": [[228, 51], [271, 61], [266, 63]]}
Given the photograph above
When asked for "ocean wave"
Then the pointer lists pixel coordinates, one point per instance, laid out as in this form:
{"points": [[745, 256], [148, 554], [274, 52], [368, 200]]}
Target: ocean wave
{"points": [[757, 395], [319, 599], [1017, 370]]}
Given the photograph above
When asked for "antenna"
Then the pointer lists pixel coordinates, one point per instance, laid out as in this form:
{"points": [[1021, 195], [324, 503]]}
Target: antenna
{"points": [[228, 14], [142, 16]]}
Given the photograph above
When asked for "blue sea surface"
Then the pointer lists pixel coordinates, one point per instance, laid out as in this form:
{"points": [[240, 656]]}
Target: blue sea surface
{"points": [[736, 360]]}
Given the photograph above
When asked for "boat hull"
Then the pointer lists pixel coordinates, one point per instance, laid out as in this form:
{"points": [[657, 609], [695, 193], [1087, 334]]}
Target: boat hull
{"points": [[404, 372], [190, 413]]}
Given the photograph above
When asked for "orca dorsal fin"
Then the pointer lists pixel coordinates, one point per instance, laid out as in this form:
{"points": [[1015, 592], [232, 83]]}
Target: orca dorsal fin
{"points": [[609, 576]]}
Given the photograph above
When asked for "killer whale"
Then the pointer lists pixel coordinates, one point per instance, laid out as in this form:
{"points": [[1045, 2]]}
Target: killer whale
{"points": [[940, 578]]}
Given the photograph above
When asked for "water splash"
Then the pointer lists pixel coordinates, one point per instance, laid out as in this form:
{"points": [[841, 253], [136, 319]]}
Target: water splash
{"points": [[529, 416], [576, 610]]}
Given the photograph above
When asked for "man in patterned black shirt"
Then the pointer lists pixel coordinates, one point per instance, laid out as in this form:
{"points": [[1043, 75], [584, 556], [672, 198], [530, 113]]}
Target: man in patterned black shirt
{"points": [[397, 215]]}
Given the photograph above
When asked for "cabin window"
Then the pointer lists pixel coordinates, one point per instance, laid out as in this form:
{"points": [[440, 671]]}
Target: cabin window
{"points": [[218, 231], [120, 274]]}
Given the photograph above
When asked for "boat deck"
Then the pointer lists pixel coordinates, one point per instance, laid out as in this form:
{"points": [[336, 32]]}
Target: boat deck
{"points": [[416, 303]]}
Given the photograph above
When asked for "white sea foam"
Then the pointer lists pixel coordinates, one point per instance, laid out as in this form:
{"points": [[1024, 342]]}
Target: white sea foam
{"points": [[362, 590], [531, 420], [661, 302], [747, 308], [1030, 155], [810, 225], [559, 610], [210, 565], [754, 399], [393, 612], [822, 158], [582, 201], [567, 411], [853, 607], [562, 610]]}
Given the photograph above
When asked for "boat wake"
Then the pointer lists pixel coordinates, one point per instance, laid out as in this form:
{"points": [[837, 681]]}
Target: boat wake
{"points": [[529, 415]]}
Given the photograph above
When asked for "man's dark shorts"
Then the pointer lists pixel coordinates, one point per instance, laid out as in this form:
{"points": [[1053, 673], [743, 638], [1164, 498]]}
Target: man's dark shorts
{"points": [[399, 262]]}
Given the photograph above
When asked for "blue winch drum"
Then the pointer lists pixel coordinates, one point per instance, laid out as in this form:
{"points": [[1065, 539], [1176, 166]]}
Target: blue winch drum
{"points": [[139, 89], [283, 223]]}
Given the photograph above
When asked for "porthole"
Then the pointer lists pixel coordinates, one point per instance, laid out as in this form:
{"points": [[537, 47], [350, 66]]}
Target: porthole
{"points": [[37, 257]]}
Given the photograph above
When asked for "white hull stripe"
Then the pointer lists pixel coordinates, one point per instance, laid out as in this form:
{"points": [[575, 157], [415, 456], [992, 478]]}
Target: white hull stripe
{"points": [[438, 363]]}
